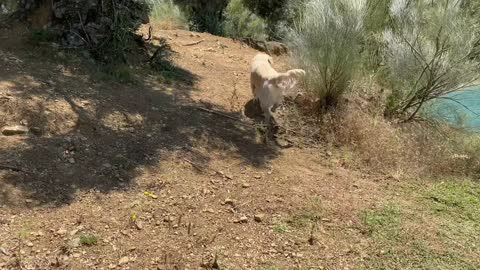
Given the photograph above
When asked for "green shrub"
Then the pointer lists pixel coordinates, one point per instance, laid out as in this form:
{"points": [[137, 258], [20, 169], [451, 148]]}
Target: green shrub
{"points": [[241, 22], [327, 43], [205, 15], [88, 240], [428, 53], [167, 15]]}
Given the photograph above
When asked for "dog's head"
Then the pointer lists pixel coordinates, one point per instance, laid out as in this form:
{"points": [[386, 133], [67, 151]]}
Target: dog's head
{"points": [[263, 57]]}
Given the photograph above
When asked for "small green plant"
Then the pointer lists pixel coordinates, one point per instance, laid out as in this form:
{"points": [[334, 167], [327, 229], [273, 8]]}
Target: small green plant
{"points": [[88, 240], [308, 215], [167, 15], [120, 73], [42, 35], [280, 228], [458, 200], [383, 222]]}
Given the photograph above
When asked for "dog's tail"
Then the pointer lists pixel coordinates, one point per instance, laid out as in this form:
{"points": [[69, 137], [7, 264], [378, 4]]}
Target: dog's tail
{"points": [[288, 80]]}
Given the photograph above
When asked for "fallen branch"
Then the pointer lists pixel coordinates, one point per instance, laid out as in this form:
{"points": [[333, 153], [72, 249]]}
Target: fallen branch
{"points": [[198, 167], [203, 169], [194, 43], [11, 168], [224, 115]]}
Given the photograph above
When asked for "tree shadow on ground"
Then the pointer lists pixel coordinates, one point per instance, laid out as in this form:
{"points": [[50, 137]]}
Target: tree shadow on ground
{"points": [[97, 134]]}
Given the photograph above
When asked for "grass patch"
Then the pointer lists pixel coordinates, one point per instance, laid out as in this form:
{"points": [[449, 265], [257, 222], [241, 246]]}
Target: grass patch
{"points": [[166, 15], [439, 230], [310, 213], [88, 240], [268, 266], [459, 201], [43, 35], [281, 228], [384, 222]]}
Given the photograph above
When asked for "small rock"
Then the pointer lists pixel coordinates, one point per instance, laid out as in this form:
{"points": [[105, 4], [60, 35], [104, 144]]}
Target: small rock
{"points": [[14, 130], [245, 185], [71, 160], [229, 202], [112, 266], [242, 219], [36, 131], [4, 251], [259, 217], [61, 232], [124, 260], [29, 244], [77, 255], [139, 225], [257, 176], [329, 154], [29, 201], [75, 242]]}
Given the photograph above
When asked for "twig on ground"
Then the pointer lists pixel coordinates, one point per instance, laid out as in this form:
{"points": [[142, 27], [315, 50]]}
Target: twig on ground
{"points": [[194, 43], [224, 115], [196, 166], [11, 168]]}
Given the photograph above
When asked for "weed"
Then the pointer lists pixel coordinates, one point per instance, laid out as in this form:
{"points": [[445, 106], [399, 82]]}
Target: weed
{"points": [[88, 240], [308, 215], [281, 228], [43, 35], [384, 222], [268, 266], [167, 15]]}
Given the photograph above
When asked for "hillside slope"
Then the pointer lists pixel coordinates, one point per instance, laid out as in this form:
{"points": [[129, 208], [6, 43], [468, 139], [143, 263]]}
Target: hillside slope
{"points": [[134, 176]]}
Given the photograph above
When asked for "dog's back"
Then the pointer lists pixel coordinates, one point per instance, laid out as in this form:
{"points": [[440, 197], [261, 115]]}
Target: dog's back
{"points": [[261, 70]]}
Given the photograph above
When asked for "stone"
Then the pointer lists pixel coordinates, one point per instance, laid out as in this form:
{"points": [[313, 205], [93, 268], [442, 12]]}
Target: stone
{"points": [[124, 260], [259, 217], [14, 130]]}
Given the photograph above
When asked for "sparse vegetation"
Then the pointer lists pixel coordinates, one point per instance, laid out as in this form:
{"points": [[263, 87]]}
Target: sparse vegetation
{"points": [[394, 228], [88, 240], [167, 15]]}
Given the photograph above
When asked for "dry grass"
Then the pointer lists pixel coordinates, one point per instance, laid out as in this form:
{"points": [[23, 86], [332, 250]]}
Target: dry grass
{"points": [[399, 150]]}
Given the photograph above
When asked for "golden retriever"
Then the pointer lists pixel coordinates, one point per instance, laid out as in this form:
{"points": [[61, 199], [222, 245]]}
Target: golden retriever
{"points": [[270, 86]]}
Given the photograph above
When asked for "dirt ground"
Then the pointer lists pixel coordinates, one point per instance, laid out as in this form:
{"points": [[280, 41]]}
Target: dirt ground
{"points": [[132, 175]]}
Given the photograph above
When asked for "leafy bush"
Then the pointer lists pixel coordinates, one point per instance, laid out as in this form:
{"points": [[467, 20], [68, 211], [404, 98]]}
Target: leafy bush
{"points": [[326, 43], [428, 53], [279, 15], [167, 15], [205, 15], [240, 22]]}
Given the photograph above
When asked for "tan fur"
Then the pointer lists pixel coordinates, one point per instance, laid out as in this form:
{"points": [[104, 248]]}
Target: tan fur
{"points": [[268, 85]]}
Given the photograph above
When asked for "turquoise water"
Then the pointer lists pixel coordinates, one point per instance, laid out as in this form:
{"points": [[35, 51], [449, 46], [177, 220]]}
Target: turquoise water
{"points": [[464, 111]]}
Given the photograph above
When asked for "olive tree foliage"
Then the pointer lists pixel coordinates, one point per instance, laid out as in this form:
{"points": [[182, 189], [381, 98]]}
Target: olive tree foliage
{"points": [[428, 53]]}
